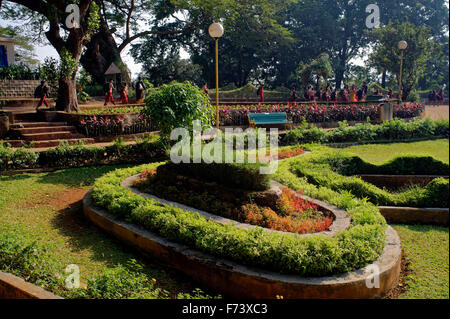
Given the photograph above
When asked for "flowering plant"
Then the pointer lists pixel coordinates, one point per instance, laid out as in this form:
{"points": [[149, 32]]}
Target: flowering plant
{"points": [[315, 113]]}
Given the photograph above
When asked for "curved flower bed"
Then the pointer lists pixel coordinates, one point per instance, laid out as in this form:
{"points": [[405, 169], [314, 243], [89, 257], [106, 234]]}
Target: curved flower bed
{"points": [[287, 212], [352, 249], [318, 113]]}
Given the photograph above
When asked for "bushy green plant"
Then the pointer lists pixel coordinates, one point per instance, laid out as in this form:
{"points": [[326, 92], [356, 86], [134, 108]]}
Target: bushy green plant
{"points": [[78, 155], [242, 176], [177, 105], [16, 158]]}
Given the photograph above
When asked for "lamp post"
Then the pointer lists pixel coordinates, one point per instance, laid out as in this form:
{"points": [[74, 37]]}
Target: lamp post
{"points": [[402, 45], [216, 31]]}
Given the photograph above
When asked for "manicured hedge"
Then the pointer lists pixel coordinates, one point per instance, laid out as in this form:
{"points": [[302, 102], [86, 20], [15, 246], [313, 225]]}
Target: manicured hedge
{"points": [[80, 155], [405, 165], [389, 131], [325, 167], [242, 176], [284, 253]]}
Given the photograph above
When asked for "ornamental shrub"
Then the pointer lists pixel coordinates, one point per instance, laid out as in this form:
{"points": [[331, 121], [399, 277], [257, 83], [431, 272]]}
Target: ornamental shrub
{"points": [[178, 105], [242, 176]]}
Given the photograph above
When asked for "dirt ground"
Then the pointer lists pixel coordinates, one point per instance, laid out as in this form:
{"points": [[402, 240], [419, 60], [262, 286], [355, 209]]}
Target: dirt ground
{"points": [[436, 112]]}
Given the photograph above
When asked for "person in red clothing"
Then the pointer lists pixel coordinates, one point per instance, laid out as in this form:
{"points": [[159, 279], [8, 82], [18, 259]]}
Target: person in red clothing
{"points": [[41, 92], [124, 94], [441, 96], [109, 93], [260, 93]]}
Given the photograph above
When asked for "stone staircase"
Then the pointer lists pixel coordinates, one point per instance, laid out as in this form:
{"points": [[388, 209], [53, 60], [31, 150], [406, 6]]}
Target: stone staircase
{"points": [[45, 134]]}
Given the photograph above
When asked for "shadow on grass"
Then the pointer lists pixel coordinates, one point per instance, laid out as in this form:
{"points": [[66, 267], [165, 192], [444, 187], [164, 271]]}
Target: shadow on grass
{"points": [[71, 223], [77, 176]]}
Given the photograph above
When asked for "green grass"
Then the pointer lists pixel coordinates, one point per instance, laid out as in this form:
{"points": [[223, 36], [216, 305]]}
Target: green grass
{"points": [[426, 248], [37, 207], [381, 153]]}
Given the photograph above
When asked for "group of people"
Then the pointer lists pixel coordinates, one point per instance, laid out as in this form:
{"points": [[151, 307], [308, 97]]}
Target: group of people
{"points": [[436, 97], [346, 94], [42, 93], [140, 92]]}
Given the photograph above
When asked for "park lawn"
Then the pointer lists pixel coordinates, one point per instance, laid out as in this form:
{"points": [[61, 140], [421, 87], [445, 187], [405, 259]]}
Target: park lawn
{"points": [[47, 208], [381, 153], [426, 248]]}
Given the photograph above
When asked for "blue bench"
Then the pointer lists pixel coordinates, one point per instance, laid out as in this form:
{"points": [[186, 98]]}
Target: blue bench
{"points": [[265, 119]]}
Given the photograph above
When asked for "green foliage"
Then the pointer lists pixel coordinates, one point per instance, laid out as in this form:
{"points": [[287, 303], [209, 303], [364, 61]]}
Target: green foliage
{"points": [[79, 155], [18, 72], [285, 253], [242, 176], [49, 71], [326, 168], [31, 261], [396, 129], [317, 70], [68, 63], [16, 158], [248, 91], [387, 54], [177, 105], [426, 253]]}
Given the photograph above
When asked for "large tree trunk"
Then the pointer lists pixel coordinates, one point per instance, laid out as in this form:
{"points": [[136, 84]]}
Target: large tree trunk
{"points": [[383, 79], [67, 96], [100, 53]]}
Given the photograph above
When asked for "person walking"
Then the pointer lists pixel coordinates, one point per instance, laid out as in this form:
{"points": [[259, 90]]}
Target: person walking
{"points": [[260, 93], [124, 94], [41, 92], [140, 91], [205, 89], [441, 96], [294, 95], [353, 97], [390, 94], [109, 93], [365, 90]]}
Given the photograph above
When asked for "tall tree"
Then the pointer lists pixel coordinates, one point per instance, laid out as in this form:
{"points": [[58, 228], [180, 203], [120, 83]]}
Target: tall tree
{"points": [[387, 54], [253, 34], [66, 35]]}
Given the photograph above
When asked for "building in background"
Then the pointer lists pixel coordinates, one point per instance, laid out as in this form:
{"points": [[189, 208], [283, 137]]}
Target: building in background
{"points": [[7, 52]]}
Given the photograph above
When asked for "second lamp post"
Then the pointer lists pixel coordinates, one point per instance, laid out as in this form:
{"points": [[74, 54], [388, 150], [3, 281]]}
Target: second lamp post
{"points": [[216, 31]]}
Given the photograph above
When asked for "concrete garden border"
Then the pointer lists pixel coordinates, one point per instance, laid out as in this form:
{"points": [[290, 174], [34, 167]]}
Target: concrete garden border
{"points": [[248, 282], [398, 181], [13, 287], [411, 215], [341, 218]]}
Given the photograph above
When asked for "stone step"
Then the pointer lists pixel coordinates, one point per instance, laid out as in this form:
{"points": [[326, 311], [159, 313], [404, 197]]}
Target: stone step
{"points": [[36, 124], [46, 129], [51, 136]]}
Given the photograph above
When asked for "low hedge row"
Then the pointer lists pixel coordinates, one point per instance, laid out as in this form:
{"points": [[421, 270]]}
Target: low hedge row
{"points": [[393, 130], [352, 249], [324, 168], [242, 176], [405, 165], [80, 155]]}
